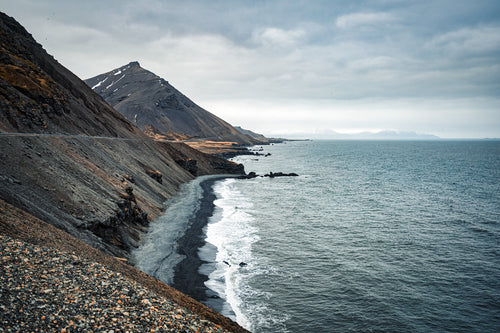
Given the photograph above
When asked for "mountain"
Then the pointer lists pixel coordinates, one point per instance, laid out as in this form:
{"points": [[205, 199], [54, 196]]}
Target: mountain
{"points": [[254, 135], [77, 176], [153, 104], [401, 135], [382, 135], [68, 158], [38, 95]]}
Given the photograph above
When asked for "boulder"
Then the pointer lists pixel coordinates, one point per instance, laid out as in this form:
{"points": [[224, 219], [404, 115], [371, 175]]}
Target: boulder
{"points": [[189, 164], [280, 174], [156, 175]]}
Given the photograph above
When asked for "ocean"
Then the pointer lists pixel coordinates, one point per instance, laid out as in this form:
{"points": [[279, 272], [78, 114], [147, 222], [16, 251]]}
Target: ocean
{"points": [[372, 236]]}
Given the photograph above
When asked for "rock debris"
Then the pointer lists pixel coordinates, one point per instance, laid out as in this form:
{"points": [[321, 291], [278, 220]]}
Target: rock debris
{"points": [[44, 289]]}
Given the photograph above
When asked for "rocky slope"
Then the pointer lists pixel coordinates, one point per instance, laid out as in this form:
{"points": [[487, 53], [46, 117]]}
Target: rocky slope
{"points": [[77, 176], [39, 95], [104, 179], [18, 224], [153, 104]]}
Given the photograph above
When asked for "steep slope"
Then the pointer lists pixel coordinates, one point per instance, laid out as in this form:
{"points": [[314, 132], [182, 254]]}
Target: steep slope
{"points": [[74, 172], [104, 179], [39, 95], [256, 136], [148, 100]]}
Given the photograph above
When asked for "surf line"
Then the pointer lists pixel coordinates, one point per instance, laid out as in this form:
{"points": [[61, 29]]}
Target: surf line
{"points": [[167, 242]]}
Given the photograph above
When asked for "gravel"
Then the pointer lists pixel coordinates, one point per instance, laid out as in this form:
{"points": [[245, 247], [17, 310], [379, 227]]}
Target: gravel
{"points": [[44, 289]]}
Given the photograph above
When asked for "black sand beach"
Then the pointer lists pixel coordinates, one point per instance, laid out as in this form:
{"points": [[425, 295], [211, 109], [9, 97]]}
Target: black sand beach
{"points": [[187, 278]]}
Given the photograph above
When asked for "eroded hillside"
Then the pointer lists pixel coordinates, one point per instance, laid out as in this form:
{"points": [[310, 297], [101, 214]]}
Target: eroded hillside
{"points": [[76, 162]]}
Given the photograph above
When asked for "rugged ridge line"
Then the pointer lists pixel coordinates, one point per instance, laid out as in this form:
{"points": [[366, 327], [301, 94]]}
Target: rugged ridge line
{"points": [[153, 104], [39, 95]]}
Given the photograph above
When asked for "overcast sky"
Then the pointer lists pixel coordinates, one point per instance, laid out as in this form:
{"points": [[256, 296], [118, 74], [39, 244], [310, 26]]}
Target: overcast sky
{"points": [[282, 67]]}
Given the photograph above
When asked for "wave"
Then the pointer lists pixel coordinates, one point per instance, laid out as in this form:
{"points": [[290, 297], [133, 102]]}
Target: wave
{"points": [[158, 256], [229, 235]]}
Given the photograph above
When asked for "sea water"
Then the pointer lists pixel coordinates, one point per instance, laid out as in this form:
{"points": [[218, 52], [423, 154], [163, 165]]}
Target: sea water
{"points": [[387, 236]]}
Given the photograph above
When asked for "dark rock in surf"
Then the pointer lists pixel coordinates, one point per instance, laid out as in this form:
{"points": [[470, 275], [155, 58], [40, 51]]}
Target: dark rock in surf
{"points": [[280, 174], [249, 176]]}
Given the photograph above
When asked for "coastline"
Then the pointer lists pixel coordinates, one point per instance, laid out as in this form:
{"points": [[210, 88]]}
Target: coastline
{"points": [[187, 278], [22, 226]]}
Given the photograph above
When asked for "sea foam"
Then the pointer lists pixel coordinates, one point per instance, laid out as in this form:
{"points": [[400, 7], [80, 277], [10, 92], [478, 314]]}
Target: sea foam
{"points": [[158, 256], [230, 233]]}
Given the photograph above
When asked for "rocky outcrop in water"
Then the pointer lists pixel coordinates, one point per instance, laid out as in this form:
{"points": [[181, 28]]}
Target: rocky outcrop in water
{"points": [[280, 174], [252, 175]]}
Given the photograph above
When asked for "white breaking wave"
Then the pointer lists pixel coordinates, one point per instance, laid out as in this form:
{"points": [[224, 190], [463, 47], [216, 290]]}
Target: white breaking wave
{"points": [[157, 256], [232, 233]]}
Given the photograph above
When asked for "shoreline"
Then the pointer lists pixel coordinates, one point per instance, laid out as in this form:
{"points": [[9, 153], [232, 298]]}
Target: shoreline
{"points": [[20, 225], [187, 278]]}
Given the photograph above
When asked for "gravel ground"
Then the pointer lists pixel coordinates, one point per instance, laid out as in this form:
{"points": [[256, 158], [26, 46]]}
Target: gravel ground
{"points": [[44, 289]]}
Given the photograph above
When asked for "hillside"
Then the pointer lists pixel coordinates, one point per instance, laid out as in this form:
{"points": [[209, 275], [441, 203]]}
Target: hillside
{"points": [[153, 104], [80, 165], [76, 175], [39, 95]]}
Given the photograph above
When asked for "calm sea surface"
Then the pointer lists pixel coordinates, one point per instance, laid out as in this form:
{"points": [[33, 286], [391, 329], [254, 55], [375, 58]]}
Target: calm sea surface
{"points": [[391, 236]]}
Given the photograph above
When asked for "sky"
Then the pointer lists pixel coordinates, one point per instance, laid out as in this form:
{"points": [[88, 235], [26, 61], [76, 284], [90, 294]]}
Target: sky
{"points": [[297, 66]]}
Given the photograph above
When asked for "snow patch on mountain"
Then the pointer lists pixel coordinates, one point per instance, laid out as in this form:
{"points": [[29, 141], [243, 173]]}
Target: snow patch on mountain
{"points": [[100, 82], [112, 83]]}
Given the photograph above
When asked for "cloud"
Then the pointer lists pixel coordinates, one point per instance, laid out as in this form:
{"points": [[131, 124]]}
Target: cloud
{"points": [[360, 19], [329, 61], [277, 37], [447, 118], [468, 40]]}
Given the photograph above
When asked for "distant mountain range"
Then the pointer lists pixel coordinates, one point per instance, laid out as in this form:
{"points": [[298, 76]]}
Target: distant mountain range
{"points": [[155, 106], [382, 135]]}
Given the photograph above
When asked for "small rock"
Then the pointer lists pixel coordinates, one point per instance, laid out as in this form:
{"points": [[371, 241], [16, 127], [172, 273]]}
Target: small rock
{"points": [[156, 175]]}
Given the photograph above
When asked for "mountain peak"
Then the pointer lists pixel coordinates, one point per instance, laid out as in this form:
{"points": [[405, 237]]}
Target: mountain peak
{"points": [[148, 100]]}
